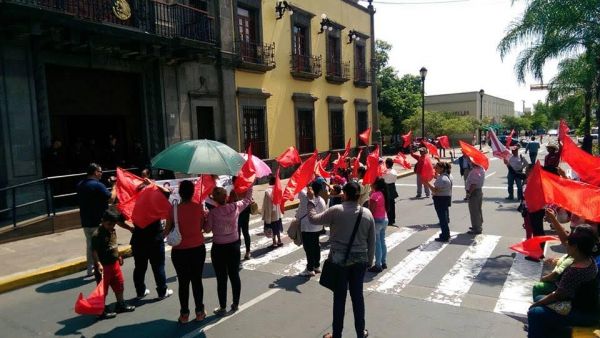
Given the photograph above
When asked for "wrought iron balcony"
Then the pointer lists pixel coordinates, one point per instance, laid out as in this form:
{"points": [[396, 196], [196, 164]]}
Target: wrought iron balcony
{"points": [[305, 67], [170, 21], [255, 56], [338, 71], [362, 77]]}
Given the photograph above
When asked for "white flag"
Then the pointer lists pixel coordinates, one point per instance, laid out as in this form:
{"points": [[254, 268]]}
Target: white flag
{"points": [[498, 149]]}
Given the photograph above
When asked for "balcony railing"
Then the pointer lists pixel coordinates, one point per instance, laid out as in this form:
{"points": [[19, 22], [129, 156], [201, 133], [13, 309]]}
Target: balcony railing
{"points": [[305, 66], [256, 56], [362, 77], [169, 21], [338, 71]]}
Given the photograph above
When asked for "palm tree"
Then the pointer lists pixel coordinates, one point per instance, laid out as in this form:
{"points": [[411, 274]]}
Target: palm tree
{"points": [[552, 29]]}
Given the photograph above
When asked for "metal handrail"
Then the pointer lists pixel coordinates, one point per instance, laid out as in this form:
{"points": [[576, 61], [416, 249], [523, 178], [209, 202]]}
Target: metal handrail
{"points": [[49, 197]]}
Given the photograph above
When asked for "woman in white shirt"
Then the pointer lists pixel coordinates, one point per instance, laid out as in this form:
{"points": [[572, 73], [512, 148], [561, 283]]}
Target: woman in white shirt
{"points": [[310, 232]]}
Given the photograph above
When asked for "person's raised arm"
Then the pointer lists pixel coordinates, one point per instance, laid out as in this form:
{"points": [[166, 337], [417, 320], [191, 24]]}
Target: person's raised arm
{"points": [[560, 231], [324, 218]]}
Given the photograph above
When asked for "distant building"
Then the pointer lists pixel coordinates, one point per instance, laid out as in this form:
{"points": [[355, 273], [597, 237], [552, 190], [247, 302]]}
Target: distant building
{"points": [[468, 104]]}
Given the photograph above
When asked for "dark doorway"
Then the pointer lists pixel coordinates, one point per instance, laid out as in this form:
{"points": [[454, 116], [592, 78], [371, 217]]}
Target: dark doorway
{"points": [[254, 130], [206, 122]]}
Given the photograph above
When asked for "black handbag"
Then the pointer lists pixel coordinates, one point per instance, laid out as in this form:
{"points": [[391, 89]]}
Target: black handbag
{"points": [[332, 272]]}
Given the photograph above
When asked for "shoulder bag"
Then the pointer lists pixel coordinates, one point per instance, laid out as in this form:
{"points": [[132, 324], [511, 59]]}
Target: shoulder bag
{"points": [[174, 237], [333, 272]]}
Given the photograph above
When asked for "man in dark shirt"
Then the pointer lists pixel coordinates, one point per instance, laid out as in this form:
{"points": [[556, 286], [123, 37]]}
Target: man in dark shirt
{"points": [[93, 201], [107, 260]]}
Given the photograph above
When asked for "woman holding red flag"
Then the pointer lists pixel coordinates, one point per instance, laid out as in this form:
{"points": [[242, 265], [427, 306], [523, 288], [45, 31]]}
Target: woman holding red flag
{"points": [[271, 213], [225, 252], [418, 169]]}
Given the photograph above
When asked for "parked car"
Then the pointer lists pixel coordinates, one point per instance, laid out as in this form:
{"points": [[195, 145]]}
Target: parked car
{"points": [[552, 132], [513, 142]]}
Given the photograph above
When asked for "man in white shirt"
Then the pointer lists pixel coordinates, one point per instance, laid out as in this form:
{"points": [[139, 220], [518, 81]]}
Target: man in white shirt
{"points": [[390, 176], [474, 184], [516, 165]]}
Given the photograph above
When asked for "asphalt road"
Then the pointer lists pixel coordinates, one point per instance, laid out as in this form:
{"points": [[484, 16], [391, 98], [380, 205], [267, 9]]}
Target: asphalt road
{"points": [[472, 287]]}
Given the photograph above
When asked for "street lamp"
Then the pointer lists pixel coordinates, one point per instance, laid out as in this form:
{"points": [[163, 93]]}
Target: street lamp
{"points": [[481, 92], [423, 72]]}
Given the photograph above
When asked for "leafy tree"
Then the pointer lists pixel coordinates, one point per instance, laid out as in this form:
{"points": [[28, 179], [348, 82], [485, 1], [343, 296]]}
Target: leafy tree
{"points": [[382, 54], [385, 125], [437, 124], [516, 123]]}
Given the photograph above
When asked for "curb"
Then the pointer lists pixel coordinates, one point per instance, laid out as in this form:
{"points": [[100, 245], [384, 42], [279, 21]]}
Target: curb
{"points": [[23, 279]]}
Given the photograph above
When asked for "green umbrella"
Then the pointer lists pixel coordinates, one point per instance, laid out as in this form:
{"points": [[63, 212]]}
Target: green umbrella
{"points": [[199, 157]]}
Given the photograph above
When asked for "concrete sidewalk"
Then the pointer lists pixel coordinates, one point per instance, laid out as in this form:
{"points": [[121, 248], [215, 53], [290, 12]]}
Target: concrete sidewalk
{"points": [[42, 258]]}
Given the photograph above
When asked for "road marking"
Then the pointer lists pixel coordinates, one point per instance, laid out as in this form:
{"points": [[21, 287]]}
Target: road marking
{"points": [[490, 175], [254, 263], [242, 308], [404, 272], [453, 186], [515, 297], [457, 282]]}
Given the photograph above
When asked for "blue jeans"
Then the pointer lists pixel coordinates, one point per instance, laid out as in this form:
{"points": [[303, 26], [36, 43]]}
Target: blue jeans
{"points": [[512, 179], [352, 280], [545, 323], [441, 205], [533, 156], [380, 248]]}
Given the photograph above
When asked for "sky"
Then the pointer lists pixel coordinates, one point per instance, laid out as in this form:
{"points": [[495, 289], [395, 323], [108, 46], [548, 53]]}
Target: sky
{"points": [[457, 43]]}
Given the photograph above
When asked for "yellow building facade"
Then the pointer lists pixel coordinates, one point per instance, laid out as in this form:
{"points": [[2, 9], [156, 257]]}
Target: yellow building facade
{"points": [[305, 74]]}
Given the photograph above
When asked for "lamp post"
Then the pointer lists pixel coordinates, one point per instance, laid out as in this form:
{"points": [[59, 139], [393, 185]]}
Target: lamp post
{"points": [[423, 72], [481, 92]]}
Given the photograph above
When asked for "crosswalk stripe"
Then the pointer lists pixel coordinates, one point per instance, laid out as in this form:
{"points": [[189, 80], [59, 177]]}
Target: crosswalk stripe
{"points": [[270, 256], [515, 297], [403, 273], [457, 282]]}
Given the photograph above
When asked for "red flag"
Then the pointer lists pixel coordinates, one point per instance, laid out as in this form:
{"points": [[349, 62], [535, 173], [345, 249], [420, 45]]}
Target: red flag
{"points": [[203, 187], [127, 184], [289, 157], [476, 156], [444, 141], [93, 304], [509, 138], [278, 192], [347, 150], [579, 198], [533, 246], [365, 135], [301, 177], [400, 159], [356, 165], [563, 129], [426, 169], [246, 177], [585, 165], [498, 149], [321, 165], [433, 150], [407, 139], [372, 167], [151, 205]]}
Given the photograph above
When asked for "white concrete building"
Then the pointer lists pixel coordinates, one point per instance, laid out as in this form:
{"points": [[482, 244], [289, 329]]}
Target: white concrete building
{"points": [[469, 104]]}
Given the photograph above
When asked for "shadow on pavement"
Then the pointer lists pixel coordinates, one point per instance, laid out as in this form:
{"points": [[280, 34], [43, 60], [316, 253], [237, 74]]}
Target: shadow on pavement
{"points": [[74, 325], [156, 328], [289, 283], [494, 271], [65, 284]]}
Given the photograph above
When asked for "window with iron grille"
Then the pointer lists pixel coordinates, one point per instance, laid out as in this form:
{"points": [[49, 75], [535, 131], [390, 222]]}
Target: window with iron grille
{"points": [[362, 122], [305, 131], [334, 61], [336, 129], [254, 130], [248, 36], [360, 63]]}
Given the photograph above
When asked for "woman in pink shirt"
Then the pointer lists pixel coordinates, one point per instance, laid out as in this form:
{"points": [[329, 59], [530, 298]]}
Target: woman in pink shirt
{"points": [[188, 257], [225, 252], [378, 207]]}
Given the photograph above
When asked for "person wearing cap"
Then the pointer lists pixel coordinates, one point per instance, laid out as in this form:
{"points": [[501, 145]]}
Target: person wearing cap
{"points": [[516, 164], [390, 176], [341, 220], [420, 160], [474, 183], [552, 160], [108, 261]]}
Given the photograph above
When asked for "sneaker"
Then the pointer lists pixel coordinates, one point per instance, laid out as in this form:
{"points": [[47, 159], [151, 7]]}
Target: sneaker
{"points": [[167, 294], [384, 266], [123, 307], [473, 232], [317, 270], [220, 311], [146, 292], [107, 315], [442, 239], [307, 273], [200, 316], [375, 268]]}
